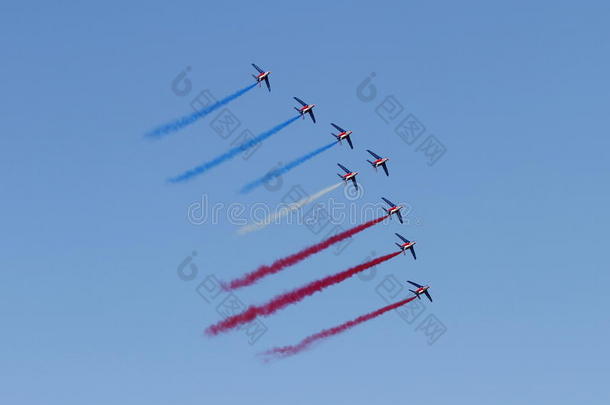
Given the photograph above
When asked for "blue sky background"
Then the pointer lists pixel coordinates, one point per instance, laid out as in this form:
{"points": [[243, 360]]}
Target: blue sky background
{"points": [[512, 220]]}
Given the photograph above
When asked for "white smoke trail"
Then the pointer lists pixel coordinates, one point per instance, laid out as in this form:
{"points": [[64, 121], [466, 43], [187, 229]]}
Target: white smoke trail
{"points": [[282, 212]]}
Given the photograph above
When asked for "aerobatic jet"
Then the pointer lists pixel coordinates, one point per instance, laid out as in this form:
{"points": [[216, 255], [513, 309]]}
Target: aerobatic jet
{"points": [[378, 162], [406, 245], [349, 175], [306, 109], [420, 290], [394, 209], [262, 75], [343, 134]]}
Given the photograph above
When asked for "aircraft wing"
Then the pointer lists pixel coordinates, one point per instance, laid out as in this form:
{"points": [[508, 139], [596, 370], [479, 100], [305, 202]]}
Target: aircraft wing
{"points": [[388, 202], [413, 253], [257, 68], [313, 117], [376, 156], [428, 295], [269, 85], [415, 284], [349, 140], [300, 101], [385, 169], [337, 127], [345, 169], [399, 215], [355, 184], [405, 240]]}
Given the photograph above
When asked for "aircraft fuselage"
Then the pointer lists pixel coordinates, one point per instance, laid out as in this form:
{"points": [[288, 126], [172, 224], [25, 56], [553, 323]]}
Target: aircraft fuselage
{"points": [[406, 246], [262, 76], [307, 108], [349, 176], [379, 162], [394, 210], [344, 135], [422, 290]]}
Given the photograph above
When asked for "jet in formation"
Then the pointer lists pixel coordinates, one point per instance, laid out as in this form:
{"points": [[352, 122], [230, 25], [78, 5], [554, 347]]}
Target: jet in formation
{"points": [[394, 209], [420, 289], [349, 175], [305, 109], [343, 134], [406, 245], [262, 75], [379, 161]]}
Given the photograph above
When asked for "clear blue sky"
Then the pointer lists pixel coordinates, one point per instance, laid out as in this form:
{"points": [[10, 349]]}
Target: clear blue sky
{"points": [[513, 219]]}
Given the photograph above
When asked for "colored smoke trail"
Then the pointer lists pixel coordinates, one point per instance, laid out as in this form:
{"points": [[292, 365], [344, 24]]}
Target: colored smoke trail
{"points": [[293, 296], [231, 153], [180, 123], [306, 343], [282, 212], [286, 168], [280, 264]]}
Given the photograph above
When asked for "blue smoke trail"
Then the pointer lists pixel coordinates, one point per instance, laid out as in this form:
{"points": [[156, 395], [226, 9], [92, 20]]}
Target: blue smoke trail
{"points": [[232, 152], [189, 119], [281, 170]]}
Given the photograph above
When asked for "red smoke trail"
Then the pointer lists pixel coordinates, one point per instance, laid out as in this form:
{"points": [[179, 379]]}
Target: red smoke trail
{"points": [[280, 264], [293, 296], [304, 344]]}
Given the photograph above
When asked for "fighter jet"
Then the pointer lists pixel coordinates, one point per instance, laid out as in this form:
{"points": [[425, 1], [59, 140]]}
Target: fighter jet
{"points": [[394, 209], [420, 290], [379, 162], [262, 75], [407, 245], [343, 134], [306, 109], [349, 175]]}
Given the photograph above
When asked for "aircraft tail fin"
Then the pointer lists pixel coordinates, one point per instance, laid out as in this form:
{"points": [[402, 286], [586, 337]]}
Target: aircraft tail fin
{"points": [[372, 164], [416, 294]]}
